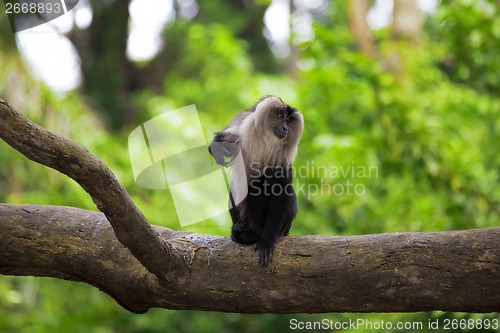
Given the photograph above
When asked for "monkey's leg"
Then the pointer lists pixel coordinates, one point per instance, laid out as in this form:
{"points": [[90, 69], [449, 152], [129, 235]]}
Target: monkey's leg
{"points": [[241, 232], [291, 213]]}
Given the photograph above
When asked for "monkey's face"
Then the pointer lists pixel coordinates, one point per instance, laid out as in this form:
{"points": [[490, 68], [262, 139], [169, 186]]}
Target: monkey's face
{"points": [[285, 120], [279, 125], [269, 132]]}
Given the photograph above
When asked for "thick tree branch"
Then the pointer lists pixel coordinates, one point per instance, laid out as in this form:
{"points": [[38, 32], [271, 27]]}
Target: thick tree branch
{"points": [[401, 272], [68, 157]]}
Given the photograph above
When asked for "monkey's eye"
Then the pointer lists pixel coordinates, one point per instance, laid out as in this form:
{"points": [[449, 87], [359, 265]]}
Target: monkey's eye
{"points": [[281, 115], [289, 119]]}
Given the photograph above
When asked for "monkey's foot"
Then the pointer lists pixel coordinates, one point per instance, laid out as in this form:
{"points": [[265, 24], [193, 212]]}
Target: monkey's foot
{"points": [[265, 253]]}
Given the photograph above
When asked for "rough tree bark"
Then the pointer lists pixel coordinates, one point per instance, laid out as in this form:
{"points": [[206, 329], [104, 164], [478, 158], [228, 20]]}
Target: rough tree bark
{"points": [[142, 266]]}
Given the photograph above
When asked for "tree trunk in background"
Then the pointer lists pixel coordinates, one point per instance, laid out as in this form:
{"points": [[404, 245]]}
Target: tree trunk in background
{"points": [[290, 65], [407, 20], [360, 30], [7, 37], [108, 76]]}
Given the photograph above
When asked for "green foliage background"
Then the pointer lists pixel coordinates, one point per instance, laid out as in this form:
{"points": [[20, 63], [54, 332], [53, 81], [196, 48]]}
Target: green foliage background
{"points": [[432, 134]]}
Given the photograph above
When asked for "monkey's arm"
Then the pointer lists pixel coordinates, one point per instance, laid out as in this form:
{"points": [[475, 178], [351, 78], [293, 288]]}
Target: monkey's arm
{"points": [[224, 148], [278, 221], [282, 211]]}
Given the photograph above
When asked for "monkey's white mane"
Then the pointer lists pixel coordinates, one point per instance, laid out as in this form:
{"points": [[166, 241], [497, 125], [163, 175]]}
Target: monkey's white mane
{"points": [[260, 146]]}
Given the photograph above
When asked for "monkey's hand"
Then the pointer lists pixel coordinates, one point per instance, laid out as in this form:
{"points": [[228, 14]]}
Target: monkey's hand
{"points": [[265, 252], [224, 153]]}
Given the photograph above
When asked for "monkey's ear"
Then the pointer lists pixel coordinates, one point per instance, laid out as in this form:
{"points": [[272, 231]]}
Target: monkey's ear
{"points": [[224, 153]]}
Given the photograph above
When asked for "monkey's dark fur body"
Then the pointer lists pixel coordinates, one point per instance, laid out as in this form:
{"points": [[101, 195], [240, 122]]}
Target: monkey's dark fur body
{"points": [[269, 215], [262, 200]]}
